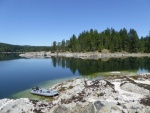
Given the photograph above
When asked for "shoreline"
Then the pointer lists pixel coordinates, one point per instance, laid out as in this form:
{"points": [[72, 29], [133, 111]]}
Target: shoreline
{"points": [[114, 94], [88, 55], [26, 93]]}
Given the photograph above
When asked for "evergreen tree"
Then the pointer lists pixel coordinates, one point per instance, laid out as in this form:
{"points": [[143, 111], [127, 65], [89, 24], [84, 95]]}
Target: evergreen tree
{"points": [[54, 48], [133, 41], [124, 39], [147, 44], [108, 39], [73, 43], [63, 44], [141, 45]]}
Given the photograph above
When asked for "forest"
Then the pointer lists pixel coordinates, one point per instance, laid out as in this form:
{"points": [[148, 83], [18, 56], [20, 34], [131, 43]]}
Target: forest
{"points": [[91, 41], [109, 39], [17, 48]]}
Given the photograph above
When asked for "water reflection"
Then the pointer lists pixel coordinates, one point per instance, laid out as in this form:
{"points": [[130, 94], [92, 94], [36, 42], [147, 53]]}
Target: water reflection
{"points": [[87, 67], [8, 56], [21, 74]]}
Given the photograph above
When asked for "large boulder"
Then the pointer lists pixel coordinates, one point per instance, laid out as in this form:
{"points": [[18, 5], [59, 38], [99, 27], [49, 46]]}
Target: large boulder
{"points": [[98, 105], [78, 108], [110, 109], [134, 88], [16, 106]]}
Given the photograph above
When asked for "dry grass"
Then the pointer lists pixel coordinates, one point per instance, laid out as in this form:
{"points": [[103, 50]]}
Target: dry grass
{"points": [[105, 51]]}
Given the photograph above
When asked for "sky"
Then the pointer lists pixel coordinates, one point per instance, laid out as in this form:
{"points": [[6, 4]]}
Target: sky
{"points": [[40, 22]]}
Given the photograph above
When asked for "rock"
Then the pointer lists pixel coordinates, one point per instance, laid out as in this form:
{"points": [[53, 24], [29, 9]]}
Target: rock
{"points": [[134, 88], [87, 96], [84, 109], [136, 107], [35, 54], [79, 108], [60, 109], [115, 109], [87, 55], [4, 102], [110, 109], [17, 106], [98, 105]]}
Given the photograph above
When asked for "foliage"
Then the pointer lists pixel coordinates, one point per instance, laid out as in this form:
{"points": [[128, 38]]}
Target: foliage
{"points": [[109, 39], [16, 48], [90, 41]]}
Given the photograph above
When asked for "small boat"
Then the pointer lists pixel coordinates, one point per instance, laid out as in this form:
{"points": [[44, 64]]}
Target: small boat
{"points": [[43, 92]]}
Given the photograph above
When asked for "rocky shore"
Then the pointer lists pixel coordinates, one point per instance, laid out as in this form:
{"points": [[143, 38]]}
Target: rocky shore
{"points": [[88, 55], [117, 94]]}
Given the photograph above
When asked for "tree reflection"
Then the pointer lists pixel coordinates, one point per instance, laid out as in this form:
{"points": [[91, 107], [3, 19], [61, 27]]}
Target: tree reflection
{"points": [[8, 56], [86, 66]]}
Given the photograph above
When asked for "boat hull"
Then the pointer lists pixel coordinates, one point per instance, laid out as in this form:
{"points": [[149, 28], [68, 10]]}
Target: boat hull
{"points": [[44, 92]]}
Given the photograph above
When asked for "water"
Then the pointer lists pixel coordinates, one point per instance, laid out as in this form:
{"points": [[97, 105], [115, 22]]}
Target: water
{"points": [[17, 75], [87, 67], [21, 74]]}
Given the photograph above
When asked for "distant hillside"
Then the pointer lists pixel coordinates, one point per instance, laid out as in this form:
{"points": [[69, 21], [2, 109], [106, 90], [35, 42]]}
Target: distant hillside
{"points": [[17, 48]]}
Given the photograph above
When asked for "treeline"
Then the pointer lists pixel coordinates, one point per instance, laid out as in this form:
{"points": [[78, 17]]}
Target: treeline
{"points": [[16, 48], [110, 39]]}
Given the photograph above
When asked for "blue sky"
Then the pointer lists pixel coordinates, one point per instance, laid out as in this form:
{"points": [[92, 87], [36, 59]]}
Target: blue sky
{"points": [[40, 22]]}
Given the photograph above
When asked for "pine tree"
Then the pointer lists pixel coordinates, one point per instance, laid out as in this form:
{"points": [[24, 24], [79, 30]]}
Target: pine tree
{"points": [[124, 39], [54, 48], [63, 44], [133, 41]]}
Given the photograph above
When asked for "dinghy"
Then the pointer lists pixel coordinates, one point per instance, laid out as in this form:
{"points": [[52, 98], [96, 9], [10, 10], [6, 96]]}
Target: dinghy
{"points": [[43, 92]]}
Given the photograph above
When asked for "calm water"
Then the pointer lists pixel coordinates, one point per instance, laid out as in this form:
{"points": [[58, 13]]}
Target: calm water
{"points": [[18, 74]]}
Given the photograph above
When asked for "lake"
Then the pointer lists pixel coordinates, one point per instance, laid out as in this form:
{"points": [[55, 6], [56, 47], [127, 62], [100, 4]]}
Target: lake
{"points": [[20, 74]]}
